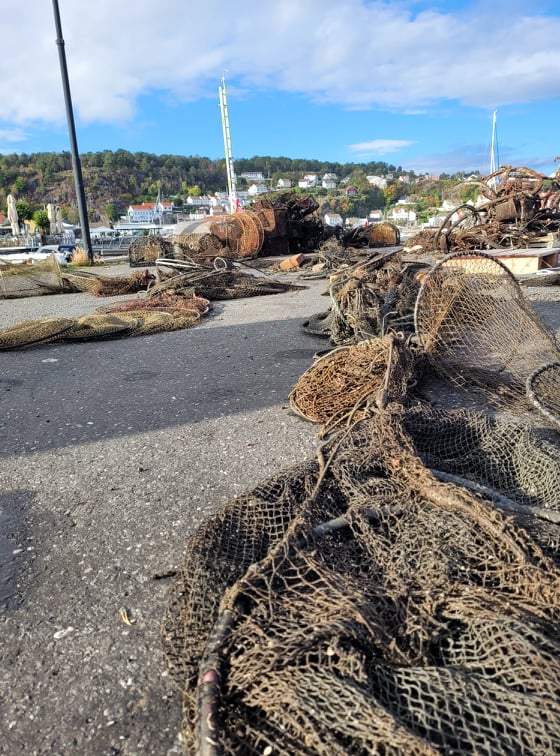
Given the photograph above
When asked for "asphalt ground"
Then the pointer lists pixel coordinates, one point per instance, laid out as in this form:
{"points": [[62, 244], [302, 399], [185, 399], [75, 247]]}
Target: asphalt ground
{"points": [[111, 452]]}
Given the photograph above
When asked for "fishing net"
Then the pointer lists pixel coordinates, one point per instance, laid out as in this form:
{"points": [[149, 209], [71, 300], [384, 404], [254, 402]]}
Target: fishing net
{"points": [[145, 250], [476, 327], [137, 317], [30, 279], [185, 310], [106, 286], [341, 384], [357, 603], [97, 326], [368, 299], [31, 332], [217, 283], [399, 593]]}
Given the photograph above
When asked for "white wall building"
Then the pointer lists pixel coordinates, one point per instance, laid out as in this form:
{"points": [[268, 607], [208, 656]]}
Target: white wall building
{"points": [[402, 215], [283, 183], [148, 212], [252, 177], [256, 189], [333, 219]]}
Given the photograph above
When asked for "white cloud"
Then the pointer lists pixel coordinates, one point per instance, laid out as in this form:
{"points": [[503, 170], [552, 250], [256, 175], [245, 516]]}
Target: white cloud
{"points": [[357, 53], [12, 135], [379, 146]]}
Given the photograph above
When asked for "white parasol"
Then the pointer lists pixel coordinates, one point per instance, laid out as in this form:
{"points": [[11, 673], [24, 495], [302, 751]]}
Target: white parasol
{"points": [[12, 214], [59, 226]]}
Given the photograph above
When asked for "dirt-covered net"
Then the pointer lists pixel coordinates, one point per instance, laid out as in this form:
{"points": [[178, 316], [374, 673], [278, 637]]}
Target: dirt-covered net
{"points": [[358, 604], [30, 279], [341, 385], [476, 327], [368, 299]]}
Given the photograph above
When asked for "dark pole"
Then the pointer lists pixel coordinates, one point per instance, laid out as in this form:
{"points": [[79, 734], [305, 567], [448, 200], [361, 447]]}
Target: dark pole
{"points": [[76, 165]]}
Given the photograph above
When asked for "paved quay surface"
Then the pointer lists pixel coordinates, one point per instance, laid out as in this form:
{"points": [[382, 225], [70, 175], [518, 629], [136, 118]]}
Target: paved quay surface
{"points": [[111, 452]]}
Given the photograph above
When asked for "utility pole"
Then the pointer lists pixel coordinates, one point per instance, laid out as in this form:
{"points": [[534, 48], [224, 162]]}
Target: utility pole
{"points": [[76, 165]]}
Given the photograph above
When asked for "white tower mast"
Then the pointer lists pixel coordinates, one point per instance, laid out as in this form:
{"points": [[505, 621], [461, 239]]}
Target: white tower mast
{"points": [[231, 179], [494, 161]]}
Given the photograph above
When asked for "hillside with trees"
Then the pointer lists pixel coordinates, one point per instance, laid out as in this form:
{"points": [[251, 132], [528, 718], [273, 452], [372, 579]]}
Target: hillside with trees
{"points": [[115, 179]]}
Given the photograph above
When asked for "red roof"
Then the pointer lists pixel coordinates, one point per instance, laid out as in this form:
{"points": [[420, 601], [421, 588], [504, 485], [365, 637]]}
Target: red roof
{"points": [[150, 205]]}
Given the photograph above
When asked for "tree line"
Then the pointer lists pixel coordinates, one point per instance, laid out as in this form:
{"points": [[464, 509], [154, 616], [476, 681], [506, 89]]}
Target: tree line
{"points": [[115, 179]]}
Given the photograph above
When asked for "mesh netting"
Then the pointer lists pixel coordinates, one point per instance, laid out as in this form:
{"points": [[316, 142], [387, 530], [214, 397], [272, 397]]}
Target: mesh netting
{"points": [[30, 280], [342, 384], [358, 604], [399, 593], [476, 327], [137, 317], [106, 286], [368, 299], [31, 332]]}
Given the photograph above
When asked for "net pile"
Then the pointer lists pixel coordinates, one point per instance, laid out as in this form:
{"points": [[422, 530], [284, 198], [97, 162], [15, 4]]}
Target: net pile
{"points": [[30, 280], [105, 286], [221, 282], [357, 604], [476, 327], [132, 318], [368, 299], [342, 384], [399, 593]]}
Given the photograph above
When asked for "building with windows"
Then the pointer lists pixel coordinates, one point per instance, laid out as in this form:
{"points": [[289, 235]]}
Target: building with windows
{"points": [[149, 212]]}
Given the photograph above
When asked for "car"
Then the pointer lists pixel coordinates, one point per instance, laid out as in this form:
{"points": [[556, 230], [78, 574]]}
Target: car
{"points": [[63, 252]]}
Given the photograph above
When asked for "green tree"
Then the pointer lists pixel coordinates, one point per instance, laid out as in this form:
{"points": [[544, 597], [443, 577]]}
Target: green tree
{"points": [[111, 212], [41, 218], [24, 210]]}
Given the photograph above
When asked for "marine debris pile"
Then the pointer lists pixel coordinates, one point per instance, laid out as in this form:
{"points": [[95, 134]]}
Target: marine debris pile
{"points": [[519, 208], [399, 592], [172, 299]]}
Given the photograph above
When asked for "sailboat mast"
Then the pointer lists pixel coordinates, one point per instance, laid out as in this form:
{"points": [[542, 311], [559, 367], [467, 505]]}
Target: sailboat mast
{"points": [[231, 179], [494, 158]]}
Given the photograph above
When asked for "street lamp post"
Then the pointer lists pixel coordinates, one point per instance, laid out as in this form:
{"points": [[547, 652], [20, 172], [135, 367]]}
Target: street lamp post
{"points": [[76, 165]]}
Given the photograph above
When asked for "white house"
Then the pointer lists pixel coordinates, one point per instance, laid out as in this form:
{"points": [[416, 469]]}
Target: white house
{"points": [[203, 201], [283, 183], [252, 177], [148, 212], [311, 179], [330, 177], [356, 222], [256, 189], [333, 219], [402, 215], [377, 181], [328, 183]]}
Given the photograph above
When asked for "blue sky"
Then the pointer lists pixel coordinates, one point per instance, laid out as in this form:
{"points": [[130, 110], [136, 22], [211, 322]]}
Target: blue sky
{"points": [[413, 84]]}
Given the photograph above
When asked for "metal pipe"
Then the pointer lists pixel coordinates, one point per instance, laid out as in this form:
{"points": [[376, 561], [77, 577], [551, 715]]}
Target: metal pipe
{"points": [[76, 165]]}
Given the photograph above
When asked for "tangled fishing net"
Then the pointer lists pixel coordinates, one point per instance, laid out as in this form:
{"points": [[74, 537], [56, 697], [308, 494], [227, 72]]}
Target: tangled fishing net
{"points": [[220, 282], [30, 279], [399, 593], [106, 286], [357, 604], [368, 299], [476, 327], [340, 385]]}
